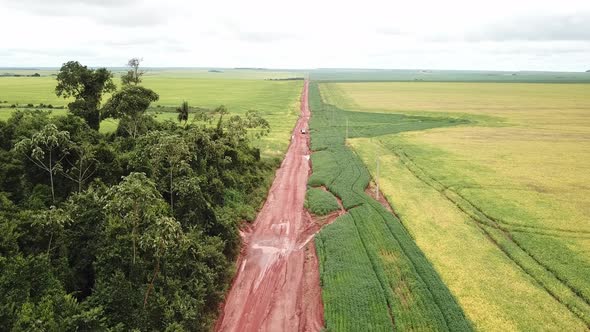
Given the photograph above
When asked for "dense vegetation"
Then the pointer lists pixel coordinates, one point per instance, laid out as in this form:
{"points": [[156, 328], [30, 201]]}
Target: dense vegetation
{"points": [[135, 229], [320, 202], [391, 285]]}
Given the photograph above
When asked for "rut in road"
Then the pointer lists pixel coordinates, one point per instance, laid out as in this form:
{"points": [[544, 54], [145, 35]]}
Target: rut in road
{"points": [[276, 287]]}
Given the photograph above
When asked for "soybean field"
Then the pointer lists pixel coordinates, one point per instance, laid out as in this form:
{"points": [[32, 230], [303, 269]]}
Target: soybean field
{"points": [[499, 203], [372, 273]]}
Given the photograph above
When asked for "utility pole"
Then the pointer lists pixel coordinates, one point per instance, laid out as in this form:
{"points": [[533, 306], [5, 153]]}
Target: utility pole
{"points": [[377, 180]]}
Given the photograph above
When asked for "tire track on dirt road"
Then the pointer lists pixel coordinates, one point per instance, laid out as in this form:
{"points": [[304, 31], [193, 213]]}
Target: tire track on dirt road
{"points": [[277, 285]]}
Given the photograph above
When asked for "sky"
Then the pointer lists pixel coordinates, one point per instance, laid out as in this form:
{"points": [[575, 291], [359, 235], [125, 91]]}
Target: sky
{"points": [[418, 34]]}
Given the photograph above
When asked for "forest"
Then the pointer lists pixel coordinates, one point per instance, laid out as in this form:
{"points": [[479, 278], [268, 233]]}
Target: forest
{"points": [[131, 230]]}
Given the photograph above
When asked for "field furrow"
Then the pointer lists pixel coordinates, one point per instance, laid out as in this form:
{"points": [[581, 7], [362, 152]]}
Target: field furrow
{"points": [[557, 286], [412, 295], [498, 205]]}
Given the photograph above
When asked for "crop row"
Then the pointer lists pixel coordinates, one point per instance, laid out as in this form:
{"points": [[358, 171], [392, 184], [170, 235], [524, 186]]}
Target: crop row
{"points": [[320, 202], [372, 272], [568, 292]]}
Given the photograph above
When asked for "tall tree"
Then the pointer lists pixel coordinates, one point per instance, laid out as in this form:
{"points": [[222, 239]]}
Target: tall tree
{"points": [[46, 149], [134, 74], [83, 166], [183, 112], [87, 87], [53, 222], [168, 156], [129, 105], [161, 236], [134, 204], [221, 110]]}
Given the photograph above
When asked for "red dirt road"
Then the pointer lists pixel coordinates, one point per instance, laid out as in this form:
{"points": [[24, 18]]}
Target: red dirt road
{"points": [[277, 283]]}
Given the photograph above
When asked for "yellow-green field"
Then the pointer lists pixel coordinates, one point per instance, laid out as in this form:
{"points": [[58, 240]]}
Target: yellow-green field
{"points": [[500, 206], [238, 90]]}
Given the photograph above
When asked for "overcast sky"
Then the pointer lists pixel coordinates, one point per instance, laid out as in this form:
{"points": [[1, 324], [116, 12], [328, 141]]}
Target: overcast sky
{"points": [[433, 34]]}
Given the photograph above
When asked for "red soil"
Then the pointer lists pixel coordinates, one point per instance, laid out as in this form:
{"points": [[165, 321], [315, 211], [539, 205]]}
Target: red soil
{"points": [[384, 202], [277, 285]]}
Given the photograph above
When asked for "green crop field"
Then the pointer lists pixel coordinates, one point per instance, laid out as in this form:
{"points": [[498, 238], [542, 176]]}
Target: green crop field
{"points": [[500, 204], [372, 273], [238, 90], [320, 202]]}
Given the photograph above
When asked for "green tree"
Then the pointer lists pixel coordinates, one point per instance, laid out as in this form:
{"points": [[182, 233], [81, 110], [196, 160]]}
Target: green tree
{"points": [[160, 237], [134, 203], [168, 156], [87, 87], [52, 221], [253, 123], [84, 165], [258, 125], [83, 236], [129, 105], [46, 149], [27, 283], [134, 74], [221, 110], [183, 112]]}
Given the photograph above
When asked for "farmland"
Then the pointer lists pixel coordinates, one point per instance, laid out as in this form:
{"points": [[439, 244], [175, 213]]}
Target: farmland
{"points": [[426, 75], [320, 202], [488, 185], [372, 273], [301, 166], [498, 205], [238, 90]]}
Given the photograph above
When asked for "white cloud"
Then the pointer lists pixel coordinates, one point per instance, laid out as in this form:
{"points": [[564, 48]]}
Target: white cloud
{"points": [[451, 34]]}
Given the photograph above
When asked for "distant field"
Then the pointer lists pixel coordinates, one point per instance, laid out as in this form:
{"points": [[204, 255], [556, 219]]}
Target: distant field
{"points": [[405, 75], [500, 206], [238, 90]]}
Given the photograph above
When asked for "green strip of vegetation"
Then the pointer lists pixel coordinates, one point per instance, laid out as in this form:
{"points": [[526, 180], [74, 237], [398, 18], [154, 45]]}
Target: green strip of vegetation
{"points": [[320, 202], [393, 286]]}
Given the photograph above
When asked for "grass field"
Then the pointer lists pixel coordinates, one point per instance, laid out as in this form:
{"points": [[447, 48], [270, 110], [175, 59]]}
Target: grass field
{"points": [[373, 275], [499, 206], [238, 90]]}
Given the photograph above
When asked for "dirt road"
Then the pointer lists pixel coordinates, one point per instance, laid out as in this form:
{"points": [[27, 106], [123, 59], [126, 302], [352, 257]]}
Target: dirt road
{"points": [[277, 283]]}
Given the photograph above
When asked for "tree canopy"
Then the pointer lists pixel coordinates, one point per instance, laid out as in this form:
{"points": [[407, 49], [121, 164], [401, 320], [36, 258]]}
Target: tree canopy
{"points": [[87, 86], [133, 230], [129, 106]]}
